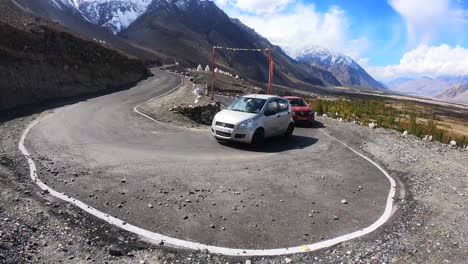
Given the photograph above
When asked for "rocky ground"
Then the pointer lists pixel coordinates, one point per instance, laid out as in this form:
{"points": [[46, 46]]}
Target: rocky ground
{"points": [[182, 107], [429, 226]]}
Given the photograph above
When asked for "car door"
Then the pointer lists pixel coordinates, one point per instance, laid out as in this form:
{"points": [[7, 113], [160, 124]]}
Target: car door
{"points": [[270, 120], [283, 116]]}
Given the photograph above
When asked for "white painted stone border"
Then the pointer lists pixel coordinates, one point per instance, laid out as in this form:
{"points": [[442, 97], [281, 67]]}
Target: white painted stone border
{"points": [[178, 243]]}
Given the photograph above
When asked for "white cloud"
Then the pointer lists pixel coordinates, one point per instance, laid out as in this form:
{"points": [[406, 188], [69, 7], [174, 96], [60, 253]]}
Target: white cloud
{"points": [[303, 27], [426, 20], [426, 60]]}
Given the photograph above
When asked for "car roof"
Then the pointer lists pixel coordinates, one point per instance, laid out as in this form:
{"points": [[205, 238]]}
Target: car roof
{"points": [[261, 96]]}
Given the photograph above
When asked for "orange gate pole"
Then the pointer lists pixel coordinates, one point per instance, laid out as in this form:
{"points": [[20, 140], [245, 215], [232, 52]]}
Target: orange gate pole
{"points": [[270, 75], [213, 74]]}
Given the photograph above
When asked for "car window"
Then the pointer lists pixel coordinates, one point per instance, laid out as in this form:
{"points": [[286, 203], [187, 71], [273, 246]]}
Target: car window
{"points": [[297, 102], [272, 108], [248, 105], [282, 105]]}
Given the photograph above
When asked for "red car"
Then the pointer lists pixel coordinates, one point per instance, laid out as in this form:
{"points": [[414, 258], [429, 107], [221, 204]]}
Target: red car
{"points": [[301, 111]]}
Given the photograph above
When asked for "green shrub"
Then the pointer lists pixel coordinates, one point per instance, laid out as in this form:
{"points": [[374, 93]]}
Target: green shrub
{"points": [[373, 110]]}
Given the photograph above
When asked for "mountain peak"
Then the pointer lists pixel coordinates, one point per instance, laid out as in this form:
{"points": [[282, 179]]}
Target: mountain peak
{"points": [[343, 67], [114, 15], [326, 56]]}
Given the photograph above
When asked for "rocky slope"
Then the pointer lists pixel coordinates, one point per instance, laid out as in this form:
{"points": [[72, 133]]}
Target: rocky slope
{"points": [[457, 94], [347, 71], [40, 61], [426, 86], [65, 13]]}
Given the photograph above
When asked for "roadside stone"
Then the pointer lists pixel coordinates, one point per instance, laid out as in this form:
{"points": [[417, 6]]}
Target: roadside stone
{"points": [[336, 217], [288, 260], [344, 201], [453, 144], [115, 250]]}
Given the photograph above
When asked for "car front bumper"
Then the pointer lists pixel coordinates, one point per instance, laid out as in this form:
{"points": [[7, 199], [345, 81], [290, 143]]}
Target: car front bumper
{"points": [[303, 117], [232, 134]]}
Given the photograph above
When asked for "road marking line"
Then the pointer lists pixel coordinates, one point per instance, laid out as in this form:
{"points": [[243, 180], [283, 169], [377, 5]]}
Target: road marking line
{"points": [[155, 238], [135, 109]]}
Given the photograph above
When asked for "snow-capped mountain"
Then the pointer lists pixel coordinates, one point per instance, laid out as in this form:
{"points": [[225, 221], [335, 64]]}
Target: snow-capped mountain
{"points": [[327, 57], [343, 67], [187, 30], [114, 15]]}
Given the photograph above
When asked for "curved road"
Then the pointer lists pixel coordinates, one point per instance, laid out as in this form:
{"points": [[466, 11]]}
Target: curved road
{"points": [[183, 184]]}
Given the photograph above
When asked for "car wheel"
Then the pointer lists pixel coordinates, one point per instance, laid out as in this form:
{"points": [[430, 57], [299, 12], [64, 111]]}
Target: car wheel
{"points": [[290, 130], [258, 137]]}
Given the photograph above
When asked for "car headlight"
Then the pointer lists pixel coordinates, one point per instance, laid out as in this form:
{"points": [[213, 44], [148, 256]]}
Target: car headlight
{"points": [[247, 123]]}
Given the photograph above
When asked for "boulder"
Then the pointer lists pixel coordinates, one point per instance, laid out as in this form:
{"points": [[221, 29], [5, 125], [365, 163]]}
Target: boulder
{"points": [[202, 114]]}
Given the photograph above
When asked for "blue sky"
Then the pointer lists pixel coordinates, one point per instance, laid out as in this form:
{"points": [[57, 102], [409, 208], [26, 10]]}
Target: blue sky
{"points": [[389, 38]]}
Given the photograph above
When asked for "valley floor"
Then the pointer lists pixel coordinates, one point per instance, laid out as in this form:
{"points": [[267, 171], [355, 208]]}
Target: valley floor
{"points": [[428, 227]]}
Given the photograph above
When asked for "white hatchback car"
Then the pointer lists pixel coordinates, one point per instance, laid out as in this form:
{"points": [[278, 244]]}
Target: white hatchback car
{"points": [[252, 118]]}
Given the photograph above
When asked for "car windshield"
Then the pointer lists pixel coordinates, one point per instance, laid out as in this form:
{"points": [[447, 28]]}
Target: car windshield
{"points": [[297, 102], [248, 105]]}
